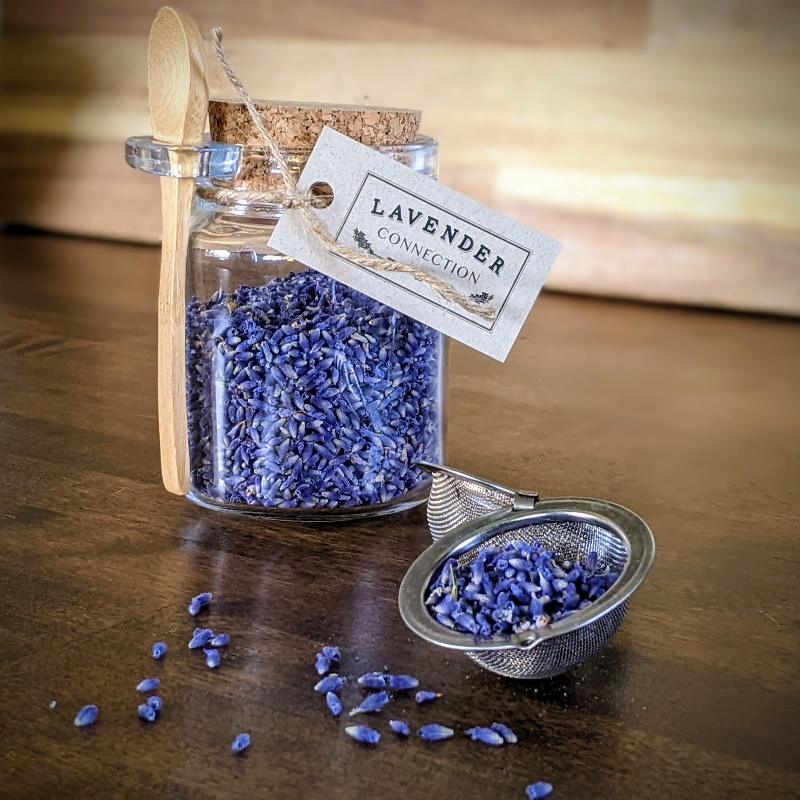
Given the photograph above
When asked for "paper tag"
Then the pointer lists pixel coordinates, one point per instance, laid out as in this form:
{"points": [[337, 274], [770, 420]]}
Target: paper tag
{"points": [[384, 208]]}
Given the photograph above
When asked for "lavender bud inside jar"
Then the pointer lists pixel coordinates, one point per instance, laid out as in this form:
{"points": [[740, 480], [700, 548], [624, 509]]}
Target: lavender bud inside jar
{"points": [[305, 398]]}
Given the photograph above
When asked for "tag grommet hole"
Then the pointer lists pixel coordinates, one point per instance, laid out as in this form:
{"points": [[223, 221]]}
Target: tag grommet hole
{"points": [[322, 194]]}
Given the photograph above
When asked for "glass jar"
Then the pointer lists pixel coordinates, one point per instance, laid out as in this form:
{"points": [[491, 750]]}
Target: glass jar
{"points": [[305, 398]]}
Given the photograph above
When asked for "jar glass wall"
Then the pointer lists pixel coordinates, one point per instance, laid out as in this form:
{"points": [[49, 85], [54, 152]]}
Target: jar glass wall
{"points": [[305, 398]]}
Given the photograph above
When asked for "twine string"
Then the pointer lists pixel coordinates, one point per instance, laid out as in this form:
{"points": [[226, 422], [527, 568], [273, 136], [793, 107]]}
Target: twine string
{"points": [[294, 199]]}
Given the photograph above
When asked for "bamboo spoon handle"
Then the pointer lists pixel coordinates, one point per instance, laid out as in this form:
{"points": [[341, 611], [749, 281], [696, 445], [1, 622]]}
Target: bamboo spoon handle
{"points": [[178, 109], [177, 196]]}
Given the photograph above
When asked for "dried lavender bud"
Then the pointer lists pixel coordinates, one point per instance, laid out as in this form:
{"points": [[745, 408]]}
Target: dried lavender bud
{"points": [[465, 622], [332, 653], [322, 664], [220, 640], [324, 397], [363, 734], [212, 657], [159, 650], [538, 790], [146, 712], [425, 696], [485, 735], [334, 703], [399, 727], [401, 682], [374, 680], [199, 602], [148, 685], [434, 732], [202, 636], [87, 716], [514, 588], [155, 702], [240, 743], [330, 683], [508, 735], [443, 619], [371, 704]]}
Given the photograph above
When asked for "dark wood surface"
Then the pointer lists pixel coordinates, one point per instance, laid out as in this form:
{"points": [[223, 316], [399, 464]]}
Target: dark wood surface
{"points": [[690, 418]]}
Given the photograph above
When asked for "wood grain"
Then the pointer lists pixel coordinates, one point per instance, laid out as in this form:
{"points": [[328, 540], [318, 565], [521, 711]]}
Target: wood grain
{"points": [[177, 197], [539, 22], [660, 141], [178, 99], [688, 417]]}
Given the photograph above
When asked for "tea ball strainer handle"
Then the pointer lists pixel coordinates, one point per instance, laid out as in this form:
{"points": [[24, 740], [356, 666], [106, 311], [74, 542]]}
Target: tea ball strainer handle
{"points": [[457, 497]]}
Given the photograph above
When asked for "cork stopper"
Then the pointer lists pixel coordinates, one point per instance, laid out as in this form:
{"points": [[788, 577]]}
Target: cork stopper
{"points": [[296, 127]]}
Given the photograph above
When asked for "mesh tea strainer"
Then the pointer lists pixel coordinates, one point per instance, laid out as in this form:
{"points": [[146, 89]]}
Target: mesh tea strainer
{"points": [[465, 513]]}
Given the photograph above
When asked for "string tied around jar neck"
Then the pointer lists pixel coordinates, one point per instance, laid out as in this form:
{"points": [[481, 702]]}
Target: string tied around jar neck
{"points": [[261, 197], [292, 198]]}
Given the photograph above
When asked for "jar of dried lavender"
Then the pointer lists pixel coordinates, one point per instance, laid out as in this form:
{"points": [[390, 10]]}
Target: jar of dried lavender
{"points": [[305, 398]]}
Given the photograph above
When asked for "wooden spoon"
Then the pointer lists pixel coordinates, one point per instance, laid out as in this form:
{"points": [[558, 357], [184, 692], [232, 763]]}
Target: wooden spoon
{"points": [[178, 109]]}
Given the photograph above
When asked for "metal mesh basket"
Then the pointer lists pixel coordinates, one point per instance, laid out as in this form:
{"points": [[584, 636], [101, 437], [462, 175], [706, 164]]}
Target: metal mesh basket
{"points": [[465, 513]]}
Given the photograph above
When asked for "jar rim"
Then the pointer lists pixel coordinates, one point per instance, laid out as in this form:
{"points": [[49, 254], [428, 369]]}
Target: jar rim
{"points": [[214, 160]]}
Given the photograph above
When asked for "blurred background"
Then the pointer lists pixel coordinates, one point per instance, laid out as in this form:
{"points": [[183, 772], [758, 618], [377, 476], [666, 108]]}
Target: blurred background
{"points": [[658, 140]]}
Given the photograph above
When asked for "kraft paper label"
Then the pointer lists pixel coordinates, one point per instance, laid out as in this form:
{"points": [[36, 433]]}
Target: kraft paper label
{"points": [[385, 209]]}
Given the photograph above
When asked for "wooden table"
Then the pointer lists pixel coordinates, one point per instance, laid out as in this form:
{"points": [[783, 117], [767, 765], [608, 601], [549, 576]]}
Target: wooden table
{"points": [[690, 418]]}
